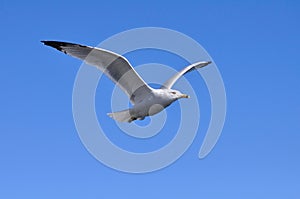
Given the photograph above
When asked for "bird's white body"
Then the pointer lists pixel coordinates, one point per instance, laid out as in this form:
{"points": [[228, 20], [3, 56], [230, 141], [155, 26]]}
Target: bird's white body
{"points": [[153, 103], [146, 100]]}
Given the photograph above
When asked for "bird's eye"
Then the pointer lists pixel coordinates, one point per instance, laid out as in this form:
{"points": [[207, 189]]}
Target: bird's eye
{"points": [[173, 92]]}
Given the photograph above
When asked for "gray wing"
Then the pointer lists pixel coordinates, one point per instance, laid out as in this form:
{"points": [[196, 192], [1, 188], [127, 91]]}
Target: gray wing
{"points": [[170, 82], [115, 66]]}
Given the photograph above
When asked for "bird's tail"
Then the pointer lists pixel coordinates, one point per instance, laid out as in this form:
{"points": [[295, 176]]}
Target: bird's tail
{"points": [[121, 116]]}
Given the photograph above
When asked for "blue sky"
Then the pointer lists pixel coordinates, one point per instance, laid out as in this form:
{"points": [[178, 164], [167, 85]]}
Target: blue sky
{"points": [[256, 47]]}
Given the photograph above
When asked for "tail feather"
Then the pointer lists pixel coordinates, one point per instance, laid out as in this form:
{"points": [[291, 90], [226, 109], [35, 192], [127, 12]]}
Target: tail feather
{"points": [[121, 116]]}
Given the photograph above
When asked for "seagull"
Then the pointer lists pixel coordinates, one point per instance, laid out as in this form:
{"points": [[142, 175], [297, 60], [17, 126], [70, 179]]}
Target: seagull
{"points": [[146, 101]]}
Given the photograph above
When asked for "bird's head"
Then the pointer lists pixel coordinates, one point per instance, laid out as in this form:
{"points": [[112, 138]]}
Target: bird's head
{"points": [[177, 94]]}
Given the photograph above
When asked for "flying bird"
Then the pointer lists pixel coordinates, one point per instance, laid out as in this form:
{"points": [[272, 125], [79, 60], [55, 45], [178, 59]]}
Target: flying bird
{"points": [[146, 101]]}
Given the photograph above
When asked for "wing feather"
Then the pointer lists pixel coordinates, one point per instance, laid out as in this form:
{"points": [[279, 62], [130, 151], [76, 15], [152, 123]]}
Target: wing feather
{"points": [[115, 66], [170, 82]]}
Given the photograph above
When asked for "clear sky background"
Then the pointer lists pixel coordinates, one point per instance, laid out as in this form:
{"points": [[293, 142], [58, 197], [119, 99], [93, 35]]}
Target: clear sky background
{"points": [[256, 46]]}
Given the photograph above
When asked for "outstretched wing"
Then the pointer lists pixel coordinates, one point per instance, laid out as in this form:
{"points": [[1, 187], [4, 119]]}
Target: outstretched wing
{"points": [[115, 66], [170, 82]]}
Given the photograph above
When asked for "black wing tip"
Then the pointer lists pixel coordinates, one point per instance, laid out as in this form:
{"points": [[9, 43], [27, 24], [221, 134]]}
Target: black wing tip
{"points": [[60, 44], [56, 44]]}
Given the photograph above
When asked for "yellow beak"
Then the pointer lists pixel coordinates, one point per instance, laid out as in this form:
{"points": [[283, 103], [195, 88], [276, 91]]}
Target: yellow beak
{"points": [[185, 96]]}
